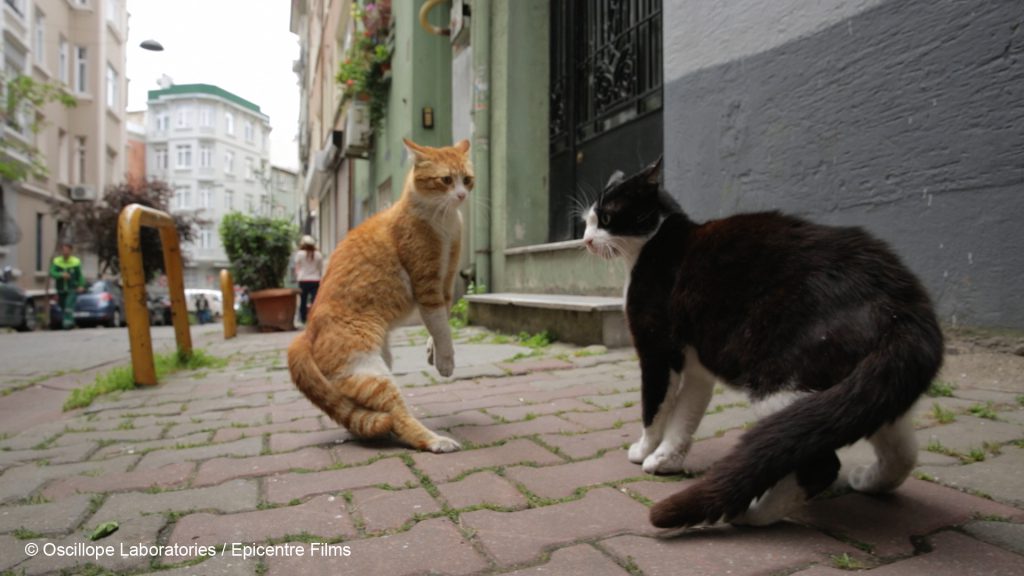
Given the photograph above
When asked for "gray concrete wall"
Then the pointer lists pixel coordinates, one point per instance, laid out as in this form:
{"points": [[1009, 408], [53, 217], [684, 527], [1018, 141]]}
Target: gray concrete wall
{"points": [[902, 116]]}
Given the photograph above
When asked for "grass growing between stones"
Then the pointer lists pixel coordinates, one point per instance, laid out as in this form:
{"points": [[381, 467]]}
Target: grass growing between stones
{"points": [[942, 415], [940, 389], [846, 562], [121, 378]]}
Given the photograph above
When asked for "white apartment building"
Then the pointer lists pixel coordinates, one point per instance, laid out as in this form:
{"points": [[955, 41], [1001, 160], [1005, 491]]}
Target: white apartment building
{"points": [[213, 148], [81, 45]]}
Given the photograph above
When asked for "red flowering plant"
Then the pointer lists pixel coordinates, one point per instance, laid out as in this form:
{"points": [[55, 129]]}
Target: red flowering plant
{"points": [[364, 73]]}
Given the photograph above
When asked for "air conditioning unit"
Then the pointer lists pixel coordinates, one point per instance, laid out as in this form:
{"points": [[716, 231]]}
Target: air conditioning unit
{"points": [[82, 193], [357, 130]]}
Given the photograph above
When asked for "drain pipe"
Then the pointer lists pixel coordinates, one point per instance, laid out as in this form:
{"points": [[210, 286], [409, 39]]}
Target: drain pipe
{"points": [[481, 41]]}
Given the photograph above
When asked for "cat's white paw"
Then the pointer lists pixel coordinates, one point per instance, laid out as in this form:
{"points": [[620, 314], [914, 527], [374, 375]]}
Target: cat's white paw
{"points": [[430, 350], [443, 444], [870, 479], [640, 450], [665, 461]]}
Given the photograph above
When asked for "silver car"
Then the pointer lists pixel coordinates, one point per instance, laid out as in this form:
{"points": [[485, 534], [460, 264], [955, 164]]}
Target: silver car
{"points": [[16, 309]]}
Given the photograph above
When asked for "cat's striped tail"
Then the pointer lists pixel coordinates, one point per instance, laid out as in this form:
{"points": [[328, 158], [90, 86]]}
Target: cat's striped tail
{"points": [[882, 387], [332, 398]]}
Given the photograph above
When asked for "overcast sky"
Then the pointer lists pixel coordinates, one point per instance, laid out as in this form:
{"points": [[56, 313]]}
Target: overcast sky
{"points": [[242, 46]]}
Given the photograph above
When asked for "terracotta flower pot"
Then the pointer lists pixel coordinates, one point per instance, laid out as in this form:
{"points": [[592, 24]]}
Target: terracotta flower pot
{"points": [[275, 308]]}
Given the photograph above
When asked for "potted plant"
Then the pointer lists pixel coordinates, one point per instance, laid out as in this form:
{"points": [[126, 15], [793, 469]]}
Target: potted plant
{"points": [[365, 72], [259, 249]]}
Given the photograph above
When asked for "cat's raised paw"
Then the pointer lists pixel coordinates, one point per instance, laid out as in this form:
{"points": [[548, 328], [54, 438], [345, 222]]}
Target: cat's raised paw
{"points": [[664, 462], [430, 350], [442, 444]]}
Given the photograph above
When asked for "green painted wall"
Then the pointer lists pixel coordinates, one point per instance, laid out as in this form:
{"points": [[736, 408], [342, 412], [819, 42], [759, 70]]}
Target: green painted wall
{"points": [[421, 76]]}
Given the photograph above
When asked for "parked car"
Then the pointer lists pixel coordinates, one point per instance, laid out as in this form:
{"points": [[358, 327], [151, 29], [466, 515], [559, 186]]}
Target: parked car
{"points": [[214, 297], [16, 309], [101, 303]]}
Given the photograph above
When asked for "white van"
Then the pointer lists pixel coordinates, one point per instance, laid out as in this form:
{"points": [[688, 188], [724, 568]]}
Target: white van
{"points": [[214, 297]]}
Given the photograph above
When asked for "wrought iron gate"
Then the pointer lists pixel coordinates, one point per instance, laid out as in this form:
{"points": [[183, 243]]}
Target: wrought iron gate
{"points": [[606, 99]]}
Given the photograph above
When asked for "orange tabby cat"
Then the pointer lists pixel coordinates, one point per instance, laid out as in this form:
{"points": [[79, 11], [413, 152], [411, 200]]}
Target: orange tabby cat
{"points": [[401, 258]]}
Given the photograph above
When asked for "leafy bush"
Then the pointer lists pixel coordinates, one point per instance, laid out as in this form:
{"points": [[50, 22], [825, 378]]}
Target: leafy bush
{"points": [[259, 249]]}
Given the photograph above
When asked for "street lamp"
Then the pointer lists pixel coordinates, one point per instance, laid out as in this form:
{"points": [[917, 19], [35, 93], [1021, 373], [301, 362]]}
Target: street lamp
{"points": [[152, 45]]}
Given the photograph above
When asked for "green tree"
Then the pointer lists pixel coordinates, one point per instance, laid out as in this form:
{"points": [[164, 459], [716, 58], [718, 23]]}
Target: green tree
{"points": [[93, 225], [22, 95]]}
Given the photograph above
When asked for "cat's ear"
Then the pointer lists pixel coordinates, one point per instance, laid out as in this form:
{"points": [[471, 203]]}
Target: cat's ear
{"points": [[652, 174], [616, 178], [462, 146], [418, 152]]}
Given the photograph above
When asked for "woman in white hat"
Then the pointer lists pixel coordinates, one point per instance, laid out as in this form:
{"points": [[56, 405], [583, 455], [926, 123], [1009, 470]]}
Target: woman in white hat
{"points": [[309, 267]]}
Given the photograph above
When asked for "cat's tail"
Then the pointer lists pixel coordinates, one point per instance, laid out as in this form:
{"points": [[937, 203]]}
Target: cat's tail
{"points": [[335, 398], [882, 387]]}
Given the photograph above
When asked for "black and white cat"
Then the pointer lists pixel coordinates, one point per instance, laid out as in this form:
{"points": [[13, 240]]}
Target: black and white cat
{"points": [[826, 317]]}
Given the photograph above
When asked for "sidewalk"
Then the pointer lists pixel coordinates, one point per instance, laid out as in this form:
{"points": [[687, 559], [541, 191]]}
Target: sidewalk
{"points": [[238, 457]]}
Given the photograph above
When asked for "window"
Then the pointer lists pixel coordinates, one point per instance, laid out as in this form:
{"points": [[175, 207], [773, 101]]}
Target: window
{"points": [[64, 157], [80, 159], [163, 121], [184, 156], [183, 196], [184, 117], [39, 242], [112, 87], [205, 237], [161, 158], [17, 5], [229, 162], [113, 12], [206, 116], [249, 134], [229, 200], [204, 196], [39, 46], [229, 123], [62, 61], [205, 155], [248, 169], [81, 70], [250, 205]]}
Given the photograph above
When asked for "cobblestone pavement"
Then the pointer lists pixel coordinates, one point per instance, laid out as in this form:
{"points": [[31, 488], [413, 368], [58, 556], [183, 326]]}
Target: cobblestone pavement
{"points": [[236, 456]]}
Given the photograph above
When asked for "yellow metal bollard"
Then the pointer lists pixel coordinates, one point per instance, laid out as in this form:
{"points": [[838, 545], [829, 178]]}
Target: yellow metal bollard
{"points": [[133, 279], [227, 289]]}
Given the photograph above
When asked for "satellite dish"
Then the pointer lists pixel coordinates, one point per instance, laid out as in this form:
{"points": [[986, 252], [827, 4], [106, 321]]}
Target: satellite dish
{"points": [[152, 45]]}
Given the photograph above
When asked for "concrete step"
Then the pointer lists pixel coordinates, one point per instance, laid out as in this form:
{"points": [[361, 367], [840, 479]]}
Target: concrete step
{"points": [[569, 318]]}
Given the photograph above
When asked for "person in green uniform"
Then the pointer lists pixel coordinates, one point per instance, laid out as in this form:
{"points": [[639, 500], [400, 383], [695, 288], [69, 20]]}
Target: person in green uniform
{"points": [[66, 269]]}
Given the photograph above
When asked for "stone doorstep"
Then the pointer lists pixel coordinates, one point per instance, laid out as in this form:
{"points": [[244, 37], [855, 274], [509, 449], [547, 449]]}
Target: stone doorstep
{"points": [[570, 318]]}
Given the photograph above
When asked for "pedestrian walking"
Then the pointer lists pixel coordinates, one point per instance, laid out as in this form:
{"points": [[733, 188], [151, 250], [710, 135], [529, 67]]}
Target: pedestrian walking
{"points": [[309, 268], [203, 310], [66, 270]]}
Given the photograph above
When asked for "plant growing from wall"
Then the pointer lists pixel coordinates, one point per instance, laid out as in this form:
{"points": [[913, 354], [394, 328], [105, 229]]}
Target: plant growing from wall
{"points": [[259, 249], [22, 96], [365, 72]]}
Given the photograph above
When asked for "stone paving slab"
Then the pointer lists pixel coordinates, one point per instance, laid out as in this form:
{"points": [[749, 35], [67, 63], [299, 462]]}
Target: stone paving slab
{"points": [[165, 477], [220, 565], [392, 472], [520, 537], [482, 488], [562, 481], [22, 481], [324, 517], [1006, 535], [968, 433], [51, 518], [580, 559], [887, 522], [951, 554], [220, 469], [727, 550], [443, 468], [233, 496], [159, 458], [431, 547], [383, 510], [998, 477]]}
